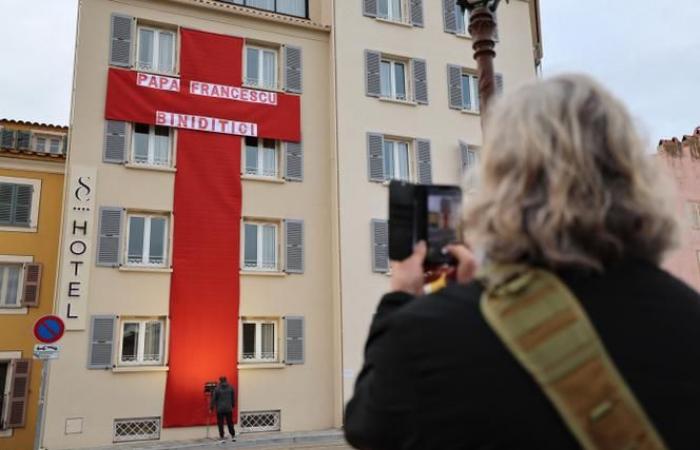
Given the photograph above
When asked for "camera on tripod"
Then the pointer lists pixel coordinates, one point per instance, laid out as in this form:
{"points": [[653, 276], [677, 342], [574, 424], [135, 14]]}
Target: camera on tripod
{"points": [[209, 387]]}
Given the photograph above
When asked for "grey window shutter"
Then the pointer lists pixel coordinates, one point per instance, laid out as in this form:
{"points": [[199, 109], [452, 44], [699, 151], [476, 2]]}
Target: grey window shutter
{"points": [[102, 330], [294, 161], [423, 161], [454, 86], [499, 83], [448, 11], [121, 36], [294, 337], [32, 283], [21, 215], [464, 155], [7, 138], [7, 196], [115, 142], [109, 243], [373, 81], [24, 140], [294, 244], [369, 8], [375, 157], [293, 69], [64, 146], [420, 81], [417, 13], [19, 391], [380, 245]]}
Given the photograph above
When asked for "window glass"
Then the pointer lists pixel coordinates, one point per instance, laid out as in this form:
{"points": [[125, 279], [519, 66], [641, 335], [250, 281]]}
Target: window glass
{"points": [[262, 4], [388, 160], [252, 65], [157, 243], [400, 80], [141, 132], [269, 250], [269, 69], [55, 145], [146, 44], [475, 93], [40, 144], [151, 346], [269, 166], [130, 342], [461, 19], [385, 77], [161, 150], [136, 237], [9, 284], [250, 256], [395, 13], [267, 346], [165, 51], [248, 340], [383, 8], [251, 156], [402, 160], [292, 7]]}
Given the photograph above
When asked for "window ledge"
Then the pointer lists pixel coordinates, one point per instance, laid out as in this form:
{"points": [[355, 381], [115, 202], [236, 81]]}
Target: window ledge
{"points": [[12, 311], [262, 273], [156, 72], [400, 23], [261, 365], [18, 229], [470, 112], [263, 88], [263, 179], [401, 102], [126, 369], [129, 165], [463, 36], [146, 269]]}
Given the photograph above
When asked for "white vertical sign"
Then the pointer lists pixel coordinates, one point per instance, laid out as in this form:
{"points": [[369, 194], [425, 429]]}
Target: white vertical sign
{"points": [[76, 249]]}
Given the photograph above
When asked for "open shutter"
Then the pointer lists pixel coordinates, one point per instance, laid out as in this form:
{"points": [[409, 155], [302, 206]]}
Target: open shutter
{"points": [[499, 83], [420, 81], [373, 81], [294, 161], [454, 86], [448, 11], [369, 8], [19, 391], [380, 245], [7, 138], [293, 69], [115, 142], [417, 13], [294, 244], [32, 282], [375, 157], [101, 342], [109, 241], [294, 337], [424, 163], [24, 140], [121, 35]]}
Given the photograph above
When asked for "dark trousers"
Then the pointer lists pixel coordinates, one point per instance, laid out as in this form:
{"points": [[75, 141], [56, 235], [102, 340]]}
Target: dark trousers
{"points": [[229, 422]]}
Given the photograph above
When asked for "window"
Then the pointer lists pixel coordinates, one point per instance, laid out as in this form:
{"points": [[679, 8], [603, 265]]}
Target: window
{"points": [[393, 79], [156, 50], [141, 342], [16, 208], [396, 160], [4, 388], [261, 157], [261, 67], [151, 145], [147, 240], [260, 246], [470, 92], [295, 8], [47, 144], [259, 341], [693, 210], [10, 285], [389, 9], [461, 19]]}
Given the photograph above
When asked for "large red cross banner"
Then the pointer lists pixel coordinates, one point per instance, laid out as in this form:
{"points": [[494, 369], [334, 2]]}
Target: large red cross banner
{"points": [[212, 111]]}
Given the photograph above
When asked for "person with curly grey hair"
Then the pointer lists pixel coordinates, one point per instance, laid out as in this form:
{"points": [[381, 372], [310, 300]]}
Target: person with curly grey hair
{"points": [[565, 186]]}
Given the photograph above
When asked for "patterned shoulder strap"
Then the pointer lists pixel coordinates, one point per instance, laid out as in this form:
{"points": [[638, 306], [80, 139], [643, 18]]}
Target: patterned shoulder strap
{"points": [[546, 329]]}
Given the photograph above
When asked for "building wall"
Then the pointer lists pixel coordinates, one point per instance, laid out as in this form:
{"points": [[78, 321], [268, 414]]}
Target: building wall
{"points": [[99, 397], [360, 200]]}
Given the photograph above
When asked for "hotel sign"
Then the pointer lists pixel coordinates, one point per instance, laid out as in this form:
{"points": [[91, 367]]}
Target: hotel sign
{"points": [[76, 251]]}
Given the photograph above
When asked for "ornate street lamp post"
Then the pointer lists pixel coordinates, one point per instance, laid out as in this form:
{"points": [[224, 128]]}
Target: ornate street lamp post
{"points": [[482, 28]]}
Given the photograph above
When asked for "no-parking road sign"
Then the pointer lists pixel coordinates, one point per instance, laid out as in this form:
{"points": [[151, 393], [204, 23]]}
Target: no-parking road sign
{"points": [[49, 329]]}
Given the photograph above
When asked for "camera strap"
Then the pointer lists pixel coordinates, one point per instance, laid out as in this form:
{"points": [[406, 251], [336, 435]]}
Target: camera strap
{"points": [[543, 325]]}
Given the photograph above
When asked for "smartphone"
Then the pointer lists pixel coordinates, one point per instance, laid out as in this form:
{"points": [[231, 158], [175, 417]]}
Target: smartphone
{"points": [[424, 212]]}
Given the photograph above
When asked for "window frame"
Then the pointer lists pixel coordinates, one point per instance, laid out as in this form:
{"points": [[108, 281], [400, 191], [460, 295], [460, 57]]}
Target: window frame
{"points": [[475, 106], [156, 47], [260, 251], [389, 7], [243, 3], [167, 237], [261, 49], [151, 147], [260, 169], [48, 138], [395, 154], [34, 207], [141, 341], [257, 357], [20, 284], [392, 78]]}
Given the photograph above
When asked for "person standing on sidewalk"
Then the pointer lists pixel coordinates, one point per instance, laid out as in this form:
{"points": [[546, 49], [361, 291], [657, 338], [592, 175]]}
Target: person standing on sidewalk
{"points": [[223, 400]]}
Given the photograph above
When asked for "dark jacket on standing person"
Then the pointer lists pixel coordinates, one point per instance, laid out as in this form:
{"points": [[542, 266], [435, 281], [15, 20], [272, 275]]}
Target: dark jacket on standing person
{"points": [[224, 398], [436, 376]]}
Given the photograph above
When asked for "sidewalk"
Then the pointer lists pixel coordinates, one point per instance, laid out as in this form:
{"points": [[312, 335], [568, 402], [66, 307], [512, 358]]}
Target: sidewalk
{"points": [[317, 440]]}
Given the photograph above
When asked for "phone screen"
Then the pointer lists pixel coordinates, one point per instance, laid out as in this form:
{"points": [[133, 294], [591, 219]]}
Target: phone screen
{"points": [[444, 205]]}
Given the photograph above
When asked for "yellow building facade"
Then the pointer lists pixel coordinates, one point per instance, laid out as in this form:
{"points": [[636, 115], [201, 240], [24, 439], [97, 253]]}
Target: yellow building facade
{"points": [[32, 160]]}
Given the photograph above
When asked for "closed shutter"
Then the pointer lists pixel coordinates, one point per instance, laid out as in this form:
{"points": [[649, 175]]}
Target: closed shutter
{"points": [[24, 140], [294, 244], [375, 157], [373, 81], [22, 205], [454, 86], [294, 337], [121, 35], [369, 8], [19, 391], [448, 11], [380, 245], [101, 342], [115, 142], [417, 13], [7, 195], [294, 161], [64, 146], [293, 69], [423, 161], [7, 138], [109, 241], [499, 83], [32, 283], [420, 81]]}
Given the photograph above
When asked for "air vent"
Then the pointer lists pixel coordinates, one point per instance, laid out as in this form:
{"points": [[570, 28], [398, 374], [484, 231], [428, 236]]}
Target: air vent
{"points": [[137, 429], [257, 421]]}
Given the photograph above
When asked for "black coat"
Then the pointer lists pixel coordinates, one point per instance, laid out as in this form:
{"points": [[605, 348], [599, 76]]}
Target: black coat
{"points": [[436, 376], [223, 399]]}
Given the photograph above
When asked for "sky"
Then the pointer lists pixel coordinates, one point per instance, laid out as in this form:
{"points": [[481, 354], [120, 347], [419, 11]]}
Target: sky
{"points": [[645, 51]]}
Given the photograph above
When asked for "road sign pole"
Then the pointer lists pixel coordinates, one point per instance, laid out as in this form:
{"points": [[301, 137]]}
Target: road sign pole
{"points": [[39, 433]]}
